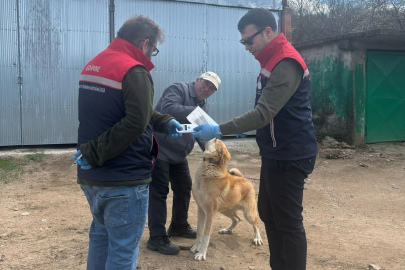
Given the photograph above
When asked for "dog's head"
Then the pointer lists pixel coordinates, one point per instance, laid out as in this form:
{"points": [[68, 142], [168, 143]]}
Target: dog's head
{"points": [[216, 150]]}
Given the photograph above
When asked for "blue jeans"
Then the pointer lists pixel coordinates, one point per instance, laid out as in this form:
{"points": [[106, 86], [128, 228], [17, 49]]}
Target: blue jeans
{"points": [[119, 216]]}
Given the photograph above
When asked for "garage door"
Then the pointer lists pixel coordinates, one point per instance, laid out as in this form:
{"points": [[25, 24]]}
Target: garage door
{"points": [[385, 103]]}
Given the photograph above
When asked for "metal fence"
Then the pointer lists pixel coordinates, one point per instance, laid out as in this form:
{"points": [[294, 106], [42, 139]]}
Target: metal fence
{"points": [[46, 43]]}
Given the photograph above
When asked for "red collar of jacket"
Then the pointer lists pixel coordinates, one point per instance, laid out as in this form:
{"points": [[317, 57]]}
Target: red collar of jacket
{"points": [[278, 49], [271, 49], [123, 46]]}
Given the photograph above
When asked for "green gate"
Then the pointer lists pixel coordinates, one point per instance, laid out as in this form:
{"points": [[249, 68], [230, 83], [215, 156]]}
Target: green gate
{"points": [[385, 102]]}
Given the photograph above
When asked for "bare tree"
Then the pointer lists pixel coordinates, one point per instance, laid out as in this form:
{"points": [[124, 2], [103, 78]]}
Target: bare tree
{"points": [[315, 19]]}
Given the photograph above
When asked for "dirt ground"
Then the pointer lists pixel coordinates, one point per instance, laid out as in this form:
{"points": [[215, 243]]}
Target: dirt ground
{"points": [[354, 205]]}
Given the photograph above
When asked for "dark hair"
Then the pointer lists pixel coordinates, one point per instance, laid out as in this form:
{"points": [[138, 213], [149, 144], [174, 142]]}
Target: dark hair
{"points": [[260, 17], [139, 28]]}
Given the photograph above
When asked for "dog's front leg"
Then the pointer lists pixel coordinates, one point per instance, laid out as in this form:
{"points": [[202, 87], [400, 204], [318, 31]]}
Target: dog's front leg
{"points": [[258, 239], [200, 228], [205, 237]]}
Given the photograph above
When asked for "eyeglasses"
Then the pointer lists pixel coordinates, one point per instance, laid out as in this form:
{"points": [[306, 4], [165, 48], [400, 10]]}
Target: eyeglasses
{"points": [[209, 86], [155, 50], [249, 40]]}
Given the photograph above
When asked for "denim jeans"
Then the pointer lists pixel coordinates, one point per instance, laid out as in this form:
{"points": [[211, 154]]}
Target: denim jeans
{"points": [[119, 216]]}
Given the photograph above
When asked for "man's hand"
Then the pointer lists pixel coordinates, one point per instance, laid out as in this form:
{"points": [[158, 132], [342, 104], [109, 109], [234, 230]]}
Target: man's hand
{"points": [[207, 132], [171, 127], [81, 161], [241, 135]]}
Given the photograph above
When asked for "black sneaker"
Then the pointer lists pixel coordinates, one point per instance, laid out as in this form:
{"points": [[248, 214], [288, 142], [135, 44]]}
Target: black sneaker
{"points": [[163, 245], [184, 231]]}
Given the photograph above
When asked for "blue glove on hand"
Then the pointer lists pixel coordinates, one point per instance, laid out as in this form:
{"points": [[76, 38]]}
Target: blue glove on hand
{"points": [[81, 161], [207, 132], [241, 135], [171, 127]]}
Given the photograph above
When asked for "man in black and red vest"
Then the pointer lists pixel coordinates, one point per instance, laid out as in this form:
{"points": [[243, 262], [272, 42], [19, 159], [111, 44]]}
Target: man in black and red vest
{"points": [[285, 135], [116, 147]]}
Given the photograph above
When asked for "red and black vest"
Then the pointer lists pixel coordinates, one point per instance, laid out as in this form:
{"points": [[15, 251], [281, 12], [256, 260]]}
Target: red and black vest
{"points": [[101, 106], [290, 135]]}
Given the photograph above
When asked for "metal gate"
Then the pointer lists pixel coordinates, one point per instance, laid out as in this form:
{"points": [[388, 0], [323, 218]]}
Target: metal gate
{"points": [[385, 101]]}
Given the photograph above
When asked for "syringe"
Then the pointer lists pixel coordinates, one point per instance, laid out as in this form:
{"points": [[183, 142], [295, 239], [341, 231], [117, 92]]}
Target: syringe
{"points": [[74, 162]]}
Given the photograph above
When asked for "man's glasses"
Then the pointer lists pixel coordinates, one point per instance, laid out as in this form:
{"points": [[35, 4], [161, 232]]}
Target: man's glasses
{"points": [[249, 40], [155, 50], [209, 86]]}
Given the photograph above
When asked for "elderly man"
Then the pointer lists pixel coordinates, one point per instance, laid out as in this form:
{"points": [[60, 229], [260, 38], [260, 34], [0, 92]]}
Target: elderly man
{"points": [[178, 100]]}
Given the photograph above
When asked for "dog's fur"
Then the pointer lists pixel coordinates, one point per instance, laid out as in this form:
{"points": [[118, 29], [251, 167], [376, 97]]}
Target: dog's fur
{"points": [[217, 190]]}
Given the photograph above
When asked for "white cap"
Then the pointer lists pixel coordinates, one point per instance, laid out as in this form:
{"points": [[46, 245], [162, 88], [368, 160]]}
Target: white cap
{"points": [[212, 77]]}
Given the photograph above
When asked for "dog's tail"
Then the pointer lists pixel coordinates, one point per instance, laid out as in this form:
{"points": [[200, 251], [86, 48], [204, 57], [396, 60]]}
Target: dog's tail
{"points": [[235, 172]]}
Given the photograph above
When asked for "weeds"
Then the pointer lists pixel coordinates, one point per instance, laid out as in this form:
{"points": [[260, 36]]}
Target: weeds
{"points": [[10, 170], [35, 157]]}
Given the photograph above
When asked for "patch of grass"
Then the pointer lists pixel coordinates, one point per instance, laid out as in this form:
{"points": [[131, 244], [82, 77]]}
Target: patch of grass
{"points": [[10, 170], [35, 157], [7, 165]]}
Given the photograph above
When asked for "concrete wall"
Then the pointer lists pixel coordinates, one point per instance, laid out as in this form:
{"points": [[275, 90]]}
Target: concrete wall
{"points": [[332, 81], [338, 79], [359, 83]]}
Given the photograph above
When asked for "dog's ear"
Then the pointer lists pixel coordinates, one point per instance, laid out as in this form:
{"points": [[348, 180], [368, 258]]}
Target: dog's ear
{"points": [[224, 155]]}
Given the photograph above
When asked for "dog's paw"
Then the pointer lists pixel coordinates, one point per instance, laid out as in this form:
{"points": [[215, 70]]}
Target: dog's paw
{"points": [[200, 256], [257, 241], [194, 249], [225, 231]]}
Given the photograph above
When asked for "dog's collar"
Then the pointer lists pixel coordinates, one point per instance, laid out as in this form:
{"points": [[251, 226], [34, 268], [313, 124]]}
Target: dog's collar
{"points": [[211, 160]]}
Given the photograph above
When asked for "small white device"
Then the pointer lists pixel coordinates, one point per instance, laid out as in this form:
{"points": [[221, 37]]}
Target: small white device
{"points": [[187, 128]]}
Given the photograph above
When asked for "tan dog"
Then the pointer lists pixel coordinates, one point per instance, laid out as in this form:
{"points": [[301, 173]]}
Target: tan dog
{"points": [[217, 190]]}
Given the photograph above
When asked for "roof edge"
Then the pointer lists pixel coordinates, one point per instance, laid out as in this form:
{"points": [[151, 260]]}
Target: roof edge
{"points": [[273, 5], [356, 35]]}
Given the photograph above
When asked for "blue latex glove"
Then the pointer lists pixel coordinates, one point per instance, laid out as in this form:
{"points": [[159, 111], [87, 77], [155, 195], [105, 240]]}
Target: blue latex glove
{"points": [[207, 132], [171, 127], [81, 161], [241, 135]]}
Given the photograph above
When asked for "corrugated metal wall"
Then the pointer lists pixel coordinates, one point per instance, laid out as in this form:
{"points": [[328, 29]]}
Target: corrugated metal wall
{"points": [[58, 37], [10, 116], [57, 40], [237, 67], [200, 38], [181, 57]]}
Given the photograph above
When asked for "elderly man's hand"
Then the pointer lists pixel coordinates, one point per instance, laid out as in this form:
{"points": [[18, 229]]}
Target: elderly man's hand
{"points": [[172, 125]]}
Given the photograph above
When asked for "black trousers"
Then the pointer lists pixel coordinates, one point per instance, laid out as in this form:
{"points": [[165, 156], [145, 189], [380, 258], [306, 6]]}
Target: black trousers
{"points": [[179, 177], [280, 208]]}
